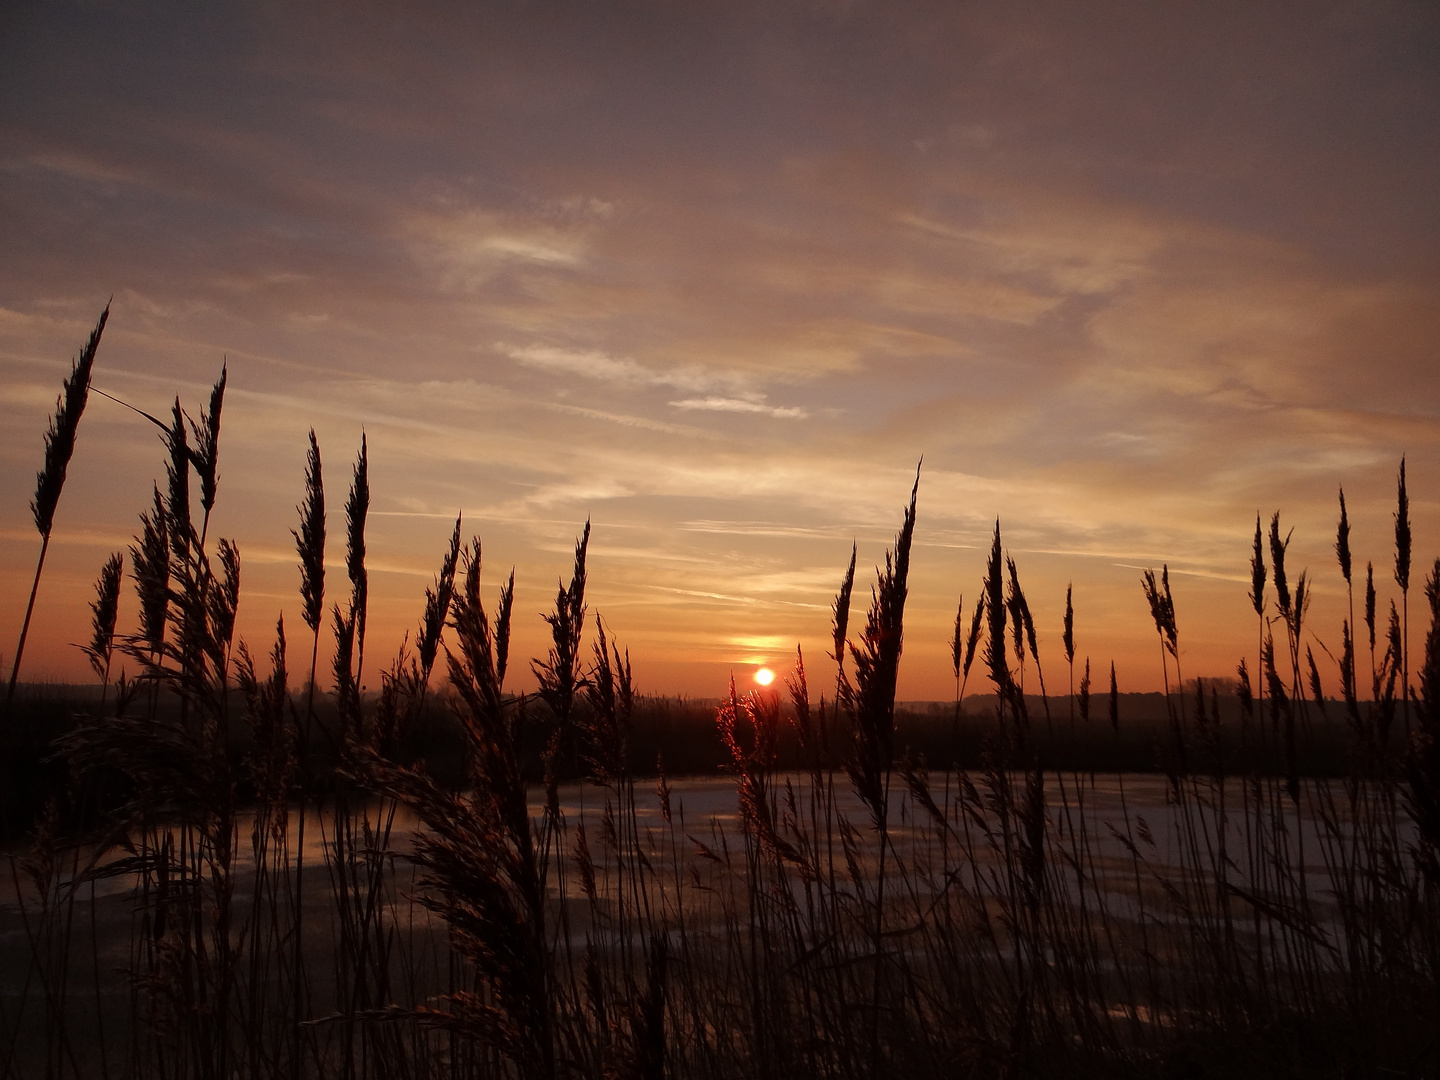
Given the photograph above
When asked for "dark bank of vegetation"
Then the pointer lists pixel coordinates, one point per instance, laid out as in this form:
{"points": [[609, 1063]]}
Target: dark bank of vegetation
{"points": [[1277, 912], [681, 733]]}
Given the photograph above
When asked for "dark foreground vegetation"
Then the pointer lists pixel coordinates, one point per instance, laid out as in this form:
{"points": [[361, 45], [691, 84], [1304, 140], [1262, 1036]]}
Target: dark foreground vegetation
{"points": [[681, 733], [301, 895]]}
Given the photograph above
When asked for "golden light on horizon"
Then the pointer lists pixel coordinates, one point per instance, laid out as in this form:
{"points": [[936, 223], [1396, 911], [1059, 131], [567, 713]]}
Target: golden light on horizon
{"points": [[764, 677]]}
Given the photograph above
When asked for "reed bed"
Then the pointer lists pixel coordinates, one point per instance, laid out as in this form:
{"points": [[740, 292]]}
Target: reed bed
{"points": [[268, 881]]}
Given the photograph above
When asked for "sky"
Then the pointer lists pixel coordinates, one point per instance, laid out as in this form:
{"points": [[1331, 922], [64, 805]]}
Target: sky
{"points": [[717, 277]]}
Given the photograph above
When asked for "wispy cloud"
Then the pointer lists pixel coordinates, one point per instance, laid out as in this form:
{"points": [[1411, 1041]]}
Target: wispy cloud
{"points": [[591, 363], [602, 367], [469, 249], [740, 405]]}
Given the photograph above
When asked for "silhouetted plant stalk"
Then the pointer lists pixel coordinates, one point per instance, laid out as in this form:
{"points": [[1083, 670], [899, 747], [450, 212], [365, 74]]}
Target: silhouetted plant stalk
{"points": [[962, 649], [50, 481], [483, 873], [1067, 639], [1402, 578], [183, 810], [1423, 765], [104, 612], [559, 675], [437, 609], [1162, 612], [840, 619], [749, 727], [869, 704], [1423, 774], [357, 507], [360, 856], [604, 745], [181, 528], [356, 844], [310, 546], [1023, 624], [206, 454], [957, 652]]}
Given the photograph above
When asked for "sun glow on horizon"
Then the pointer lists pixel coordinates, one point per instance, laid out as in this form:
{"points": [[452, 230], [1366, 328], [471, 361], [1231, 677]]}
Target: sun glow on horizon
{"points": [[764, 676]]}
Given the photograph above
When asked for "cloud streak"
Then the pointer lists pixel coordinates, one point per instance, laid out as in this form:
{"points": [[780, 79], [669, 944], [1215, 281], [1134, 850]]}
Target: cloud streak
{"points": [[739, 405]]}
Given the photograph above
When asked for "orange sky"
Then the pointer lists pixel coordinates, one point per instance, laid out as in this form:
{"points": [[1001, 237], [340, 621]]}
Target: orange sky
{"points": [[717, 276]]}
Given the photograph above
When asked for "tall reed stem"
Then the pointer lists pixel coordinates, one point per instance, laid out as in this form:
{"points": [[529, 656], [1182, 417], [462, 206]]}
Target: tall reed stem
{"points": [[25, 626]]}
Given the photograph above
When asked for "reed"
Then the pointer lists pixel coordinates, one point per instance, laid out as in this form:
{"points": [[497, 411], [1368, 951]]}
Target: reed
{"points": [[1402, 578], [104, 613], [869, 704], [310, 547], [357, 507], [50, 481], [205, 457]]}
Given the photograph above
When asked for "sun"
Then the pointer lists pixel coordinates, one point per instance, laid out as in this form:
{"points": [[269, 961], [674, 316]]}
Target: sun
{"points": [[764, 676]]}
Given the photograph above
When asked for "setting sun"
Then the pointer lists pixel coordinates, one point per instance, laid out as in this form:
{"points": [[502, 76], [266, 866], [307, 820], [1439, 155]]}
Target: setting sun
{"points": [[764, 676]]}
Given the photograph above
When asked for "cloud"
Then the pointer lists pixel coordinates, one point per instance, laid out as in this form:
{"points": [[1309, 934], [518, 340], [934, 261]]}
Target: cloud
{"points": [[633, 421], [602, 367], [542, 249], [740, 405], [470, 248], [582, 493]]}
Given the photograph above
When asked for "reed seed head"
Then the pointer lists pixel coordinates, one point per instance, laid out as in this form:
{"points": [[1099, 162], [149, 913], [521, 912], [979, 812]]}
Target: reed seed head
{"points": [[1257, 571], [1402, 532], [347, 694], [224, 595], [1342, 540], [840, 610], [871, 702], [150, 566], [1068, 637], [357, 507], [559, 673], [177, 470], [1302, 604], [957, 640], [1162, 608], [1370, 602], [206, 455], [1015, 602], [973, 637], [60, 435], [438, 600], [1277, 560], [996, 609], [502, 627], [800, 699], [104, 610], [310, 540], [1347, 671], [1394, 642]]}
